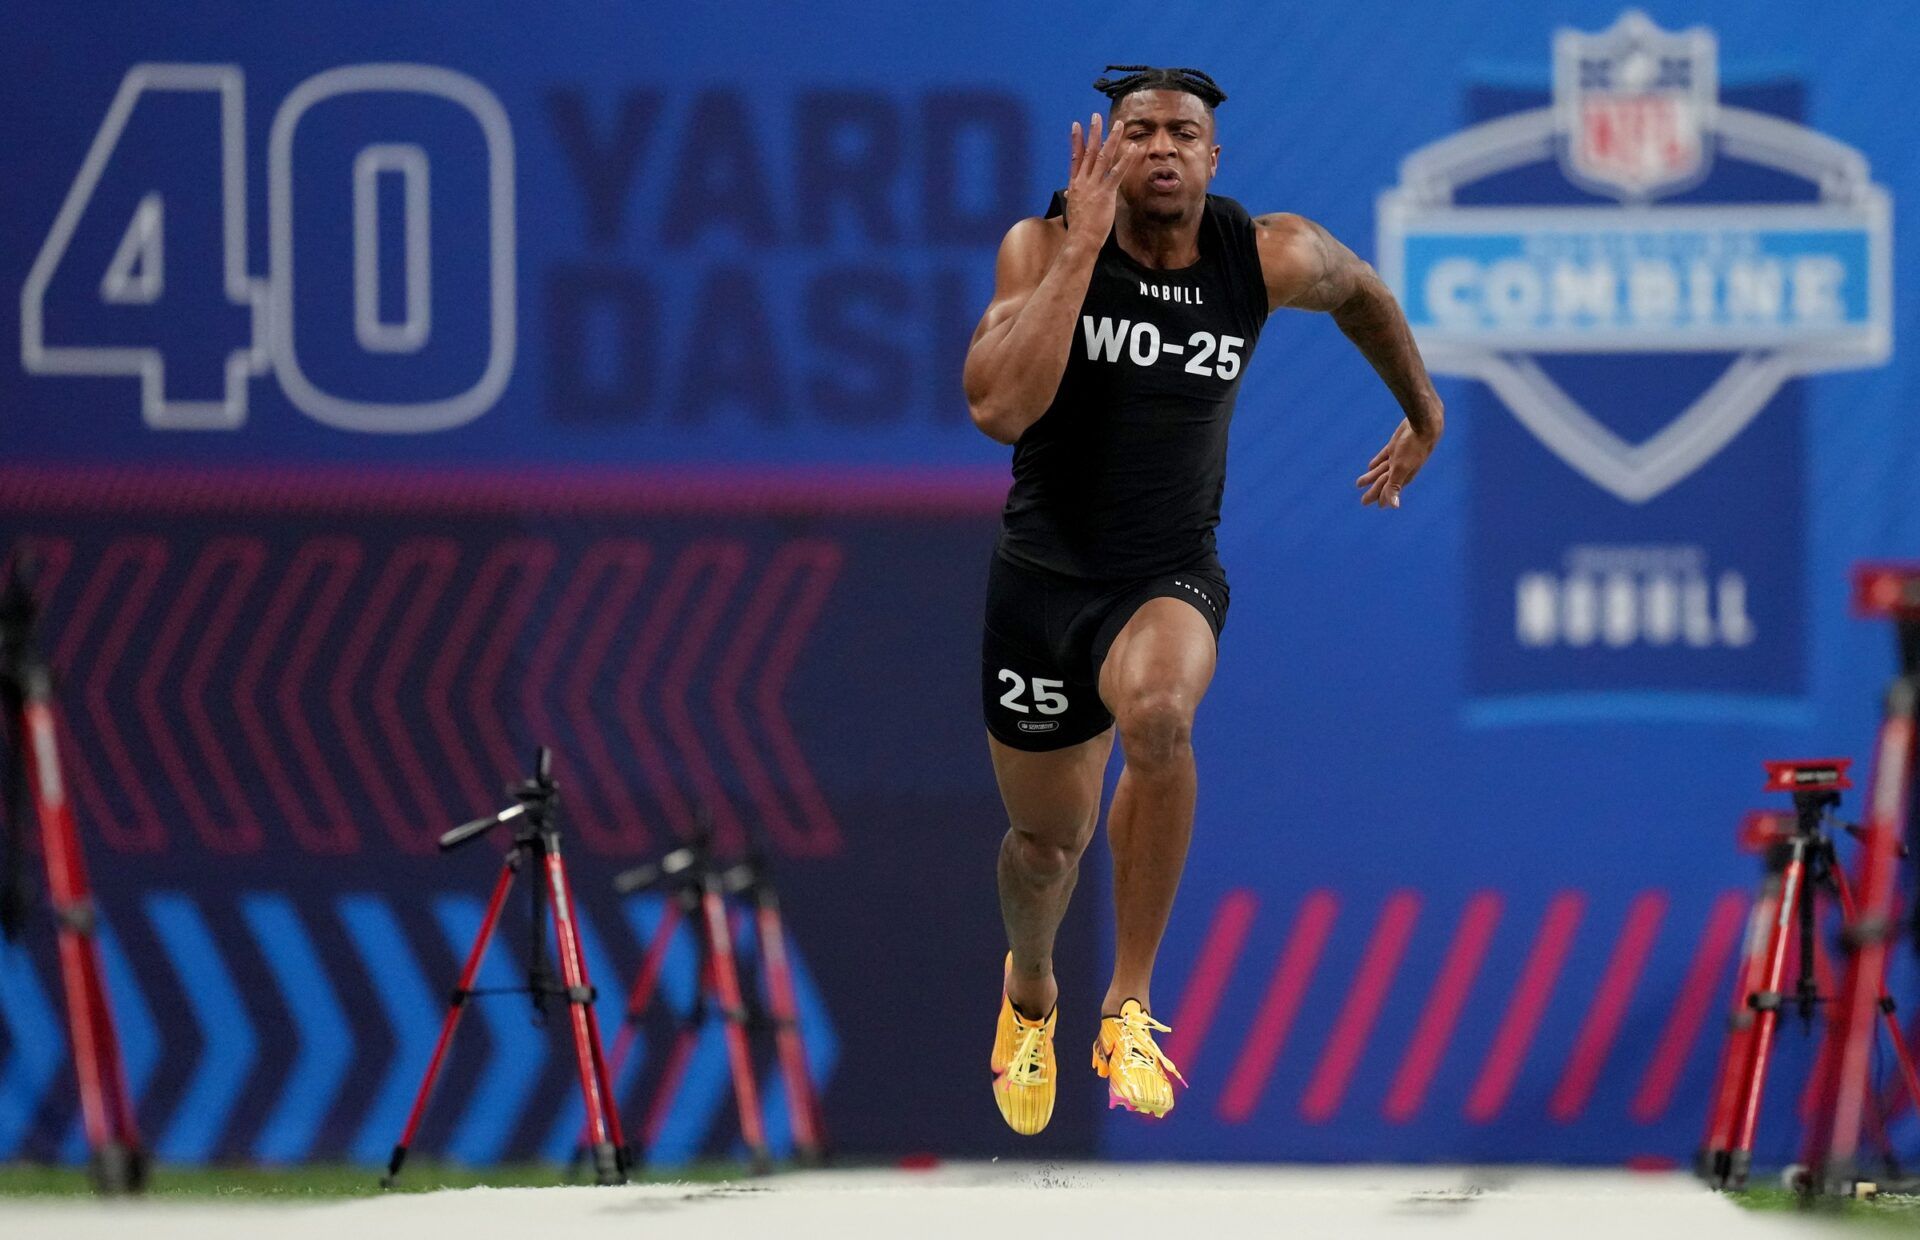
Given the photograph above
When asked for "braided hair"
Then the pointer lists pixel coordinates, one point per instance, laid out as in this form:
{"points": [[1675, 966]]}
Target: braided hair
{"points": [[1145, 77]]}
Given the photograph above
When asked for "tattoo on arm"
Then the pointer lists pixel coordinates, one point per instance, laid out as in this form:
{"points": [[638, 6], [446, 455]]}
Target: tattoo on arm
{"points": [[1371, 318], [1311, 270], [1334, 269]]}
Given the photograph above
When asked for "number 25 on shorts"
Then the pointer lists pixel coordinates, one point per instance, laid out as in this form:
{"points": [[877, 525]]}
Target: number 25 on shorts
{"points": [[1045, 693]]}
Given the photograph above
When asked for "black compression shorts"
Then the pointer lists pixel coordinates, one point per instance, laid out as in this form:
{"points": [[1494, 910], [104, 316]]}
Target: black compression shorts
{"points": [[1047, 635]]}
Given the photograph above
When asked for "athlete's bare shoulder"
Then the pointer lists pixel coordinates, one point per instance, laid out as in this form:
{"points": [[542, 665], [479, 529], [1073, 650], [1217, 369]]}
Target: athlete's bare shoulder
{"points": [[1025, 254], [1303, 264], [1035, 238], [1281, 228], [1052, 226]]}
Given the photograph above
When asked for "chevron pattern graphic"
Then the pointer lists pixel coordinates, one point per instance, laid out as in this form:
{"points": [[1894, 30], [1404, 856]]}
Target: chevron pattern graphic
{"points": [[263, 714], [334, 690], [278, 1061]]}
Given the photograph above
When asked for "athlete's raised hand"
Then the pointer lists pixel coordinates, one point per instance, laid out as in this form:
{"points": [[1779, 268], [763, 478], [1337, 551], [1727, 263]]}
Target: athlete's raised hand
{"points": [[1394, 466], [1093, 180]]}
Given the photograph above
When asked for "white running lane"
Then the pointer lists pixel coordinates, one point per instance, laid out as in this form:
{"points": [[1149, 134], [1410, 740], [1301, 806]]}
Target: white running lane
{"points": [[998, 1201]]}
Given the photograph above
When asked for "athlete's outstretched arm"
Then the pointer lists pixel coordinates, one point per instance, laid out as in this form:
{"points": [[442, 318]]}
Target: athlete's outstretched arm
{"points": [[1020, 349], [1307, 269]]}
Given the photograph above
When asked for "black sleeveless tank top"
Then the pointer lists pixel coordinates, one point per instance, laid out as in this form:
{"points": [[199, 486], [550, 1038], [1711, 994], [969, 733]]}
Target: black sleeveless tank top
{"points": [[1122, 475]]}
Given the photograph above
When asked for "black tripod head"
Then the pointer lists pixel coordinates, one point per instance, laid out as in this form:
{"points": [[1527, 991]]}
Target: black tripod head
{"points": [[1816, 785], [20, 659], [534, 816], [22, 673], [684, 867], [531, 813], [690, 865], [1892, 591], [16, 593], [682, 872], [752, 876], [687, 868]]}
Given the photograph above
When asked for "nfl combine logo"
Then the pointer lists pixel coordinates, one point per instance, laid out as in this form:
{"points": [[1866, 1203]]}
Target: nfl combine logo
{"points": [[1636, 259], [1633, 105]]}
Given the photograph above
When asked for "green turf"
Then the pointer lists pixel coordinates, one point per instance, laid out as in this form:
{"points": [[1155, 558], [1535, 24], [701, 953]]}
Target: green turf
{"points": [[1900, 1211], [325, 1180]]}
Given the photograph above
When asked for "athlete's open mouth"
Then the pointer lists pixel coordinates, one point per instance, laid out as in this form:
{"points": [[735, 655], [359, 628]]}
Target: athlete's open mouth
{"points": [[1164, 179]]}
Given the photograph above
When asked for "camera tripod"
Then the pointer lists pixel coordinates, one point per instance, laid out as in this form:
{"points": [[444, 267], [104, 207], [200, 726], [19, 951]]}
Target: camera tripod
{"points": [[697, 889], [1842, 1083], [1892, 592], [535, 817], [119, 1164], [1802, 864]]}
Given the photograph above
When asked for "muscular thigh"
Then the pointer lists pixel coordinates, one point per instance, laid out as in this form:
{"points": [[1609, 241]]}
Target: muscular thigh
{"points": [[1164, 650], [1053, 794]]}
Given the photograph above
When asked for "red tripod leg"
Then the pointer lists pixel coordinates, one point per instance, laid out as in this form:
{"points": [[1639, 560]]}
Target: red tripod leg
{"points": [[112, 1070], [601, 1124], [1834, 1138], [1827, 980], [788, 1041], [1883, 1140], [1902, 1055], [608, 1100], [670, 1077], [105, 1108], [1736, 1057], [1897, 1097], [639, 998], [1766, 1014], [684, 904], [455, 1008], [725, 976], [645, 982]]}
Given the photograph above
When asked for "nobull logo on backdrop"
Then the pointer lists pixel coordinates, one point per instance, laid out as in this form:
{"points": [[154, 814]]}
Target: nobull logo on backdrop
{"points": [[1637, 255]]}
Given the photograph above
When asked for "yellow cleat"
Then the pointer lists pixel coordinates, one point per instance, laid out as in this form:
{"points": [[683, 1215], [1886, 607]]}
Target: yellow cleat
{"points": [[1024, 1079], [1133, 1063]]}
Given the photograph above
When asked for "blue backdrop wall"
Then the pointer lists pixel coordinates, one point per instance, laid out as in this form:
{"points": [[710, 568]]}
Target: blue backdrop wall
{"points": [[394, 390]]}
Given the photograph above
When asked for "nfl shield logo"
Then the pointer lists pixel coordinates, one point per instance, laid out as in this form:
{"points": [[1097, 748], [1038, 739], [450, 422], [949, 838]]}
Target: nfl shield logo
{"points": [[1632, 105], [1636, 338]]}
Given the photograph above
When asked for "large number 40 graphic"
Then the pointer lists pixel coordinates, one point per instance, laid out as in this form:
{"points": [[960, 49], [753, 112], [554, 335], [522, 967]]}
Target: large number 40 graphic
{"points": [[137, 273]]}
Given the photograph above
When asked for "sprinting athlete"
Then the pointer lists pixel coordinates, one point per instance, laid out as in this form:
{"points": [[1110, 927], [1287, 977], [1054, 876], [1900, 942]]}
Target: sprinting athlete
{"points": [[1119, 329]]}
